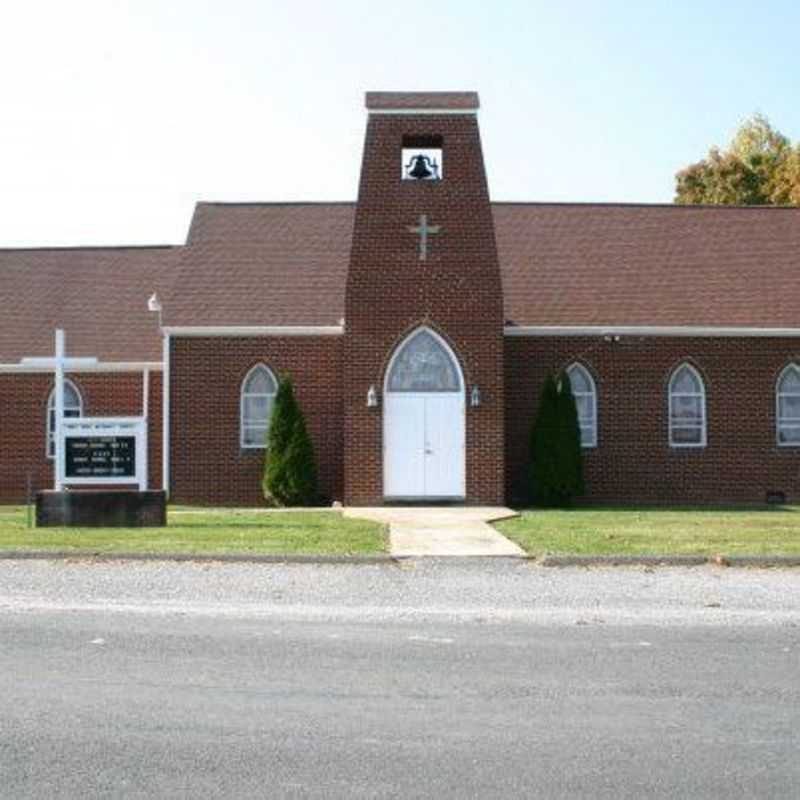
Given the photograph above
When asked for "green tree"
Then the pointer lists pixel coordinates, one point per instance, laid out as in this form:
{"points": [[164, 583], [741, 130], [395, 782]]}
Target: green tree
{"points": [[544, 446], [569, 441], [757, 142], [720, 179], [300, 465], [556, 462], [290, 472], [786, 185], [759, 167]]}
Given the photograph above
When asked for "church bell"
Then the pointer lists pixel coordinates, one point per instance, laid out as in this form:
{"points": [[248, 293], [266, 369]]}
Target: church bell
{"points": [[422, 168]]}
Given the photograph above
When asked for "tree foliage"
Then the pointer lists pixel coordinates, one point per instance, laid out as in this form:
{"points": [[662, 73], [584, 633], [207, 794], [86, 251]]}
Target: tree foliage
{"points": [[570, 438], [290, 470], [556, 458], [786, 183], [759, 167]]}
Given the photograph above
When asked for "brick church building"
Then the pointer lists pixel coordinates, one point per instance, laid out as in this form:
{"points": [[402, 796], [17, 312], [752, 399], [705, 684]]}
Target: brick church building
{"points": [[418, 324]]}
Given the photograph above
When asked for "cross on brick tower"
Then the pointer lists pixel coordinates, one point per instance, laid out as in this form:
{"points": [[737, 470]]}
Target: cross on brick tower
{"points": [[423, 230]]}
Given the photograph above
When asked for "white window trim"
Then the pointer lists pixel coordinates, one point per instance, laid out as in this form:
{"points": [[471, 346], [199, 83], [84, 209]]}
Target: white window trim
{"points": [[577, 366], [703, 413], [778, 395], [36, 366], [609, 332], [243, 395], [51, 401], [254, 330]]}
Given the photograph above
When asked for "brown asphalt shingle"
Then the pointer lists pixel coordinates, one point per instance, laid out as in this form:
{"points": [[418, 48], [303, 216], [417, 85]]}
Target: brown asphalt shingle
{"points": [[564, 264], [256, 264], [286, 264], [98, 295], [649, 265]]}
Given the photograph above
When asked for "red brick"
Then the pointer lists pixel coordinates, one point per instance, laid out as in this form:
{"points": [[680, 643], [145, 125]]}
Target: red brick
{"points": [[207, 463], [456, 291], [634, 462], [23, 399]]}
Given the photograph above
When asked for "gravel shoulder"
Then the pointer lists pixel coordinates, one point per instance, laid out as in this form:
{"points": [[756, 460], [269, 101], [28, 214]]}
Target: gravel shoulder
{"points": [[485, 590]]}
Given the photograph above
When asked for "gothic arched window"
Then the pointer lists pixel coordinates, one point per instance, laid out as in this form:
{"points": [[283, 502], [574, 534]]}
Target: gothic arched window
{"points": [[787, 398], [424, 364], [687, 408], [585, 391], [259, 388], [73, 407]]}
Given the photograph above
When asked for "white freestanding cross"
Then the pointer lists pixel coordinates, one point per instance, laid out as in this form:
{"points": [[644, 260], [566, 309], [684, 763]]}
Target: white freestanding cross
{"points": [[60, 364], [91, 426]]}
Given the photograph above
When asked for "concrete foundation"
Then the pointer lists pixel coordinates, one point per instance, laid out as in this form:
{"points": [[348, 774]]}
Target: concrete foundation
{"points": [[101, 509]]}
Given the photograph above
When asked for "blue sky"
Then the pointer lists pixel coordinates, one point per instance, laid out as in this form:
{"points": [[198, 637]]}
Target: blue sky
{"points": [[117, 116]]}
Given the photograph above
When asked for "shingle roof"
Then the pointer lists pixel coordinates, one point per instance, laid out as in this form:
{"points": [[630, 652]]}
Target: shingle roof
{"points": [[582, 264], [286, 264], [257, 264], [649, 265], [454, 101], [98, 295]]}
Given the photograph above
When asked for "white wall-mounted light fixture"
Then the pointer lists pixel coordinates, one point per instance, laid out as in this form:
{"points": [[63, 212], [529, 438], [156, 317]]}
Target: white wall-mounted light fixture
{"points": [[372, 397], [475, 397], [154, 306]]}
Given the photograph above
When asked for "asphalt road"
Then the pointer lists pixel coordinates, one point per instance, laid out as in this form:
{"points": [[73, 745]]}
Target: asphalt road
{"points": [[397, 689]]}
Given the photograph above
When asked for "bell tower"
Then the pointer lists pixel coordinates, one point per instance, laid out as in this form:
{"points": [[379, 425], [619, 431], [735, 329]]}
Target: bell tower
{"points": [[423, 261]]}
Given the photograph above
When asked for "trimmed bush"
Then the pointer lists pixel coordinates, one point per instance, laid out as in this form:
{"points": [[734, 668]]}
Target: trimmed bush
{"points": [[290, 470], [556, 458], [544, 445], [571, 455], [300, 466]]}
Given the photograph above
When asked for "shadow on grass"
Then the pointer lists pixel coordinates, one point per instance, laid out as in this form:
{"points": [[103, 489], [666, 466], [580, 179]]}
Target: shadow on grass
{"points": [[717, 509], [258, 526]]}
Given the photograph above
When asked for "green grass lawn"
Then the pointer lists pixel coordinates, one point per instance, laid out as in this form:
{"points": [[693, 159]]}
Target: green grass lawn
{"points": [[614, 531], [207, 531]]}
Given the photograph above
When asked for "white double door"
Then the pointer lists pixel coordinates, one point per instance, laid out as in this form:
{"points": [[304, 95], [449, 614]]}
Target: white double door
{"points": [[423, 445]]}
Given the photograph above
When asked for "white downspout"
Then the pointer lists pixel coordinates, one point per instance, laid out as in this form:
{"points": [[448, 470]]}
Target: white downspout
{"points": [[146, 416], [59, 409], [165, 414]]}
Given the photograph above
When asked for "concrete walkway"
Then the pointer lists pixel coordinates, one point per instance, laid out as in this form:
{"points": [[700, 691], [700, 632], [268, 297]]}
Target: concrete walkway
{"points": [[442, 531]]}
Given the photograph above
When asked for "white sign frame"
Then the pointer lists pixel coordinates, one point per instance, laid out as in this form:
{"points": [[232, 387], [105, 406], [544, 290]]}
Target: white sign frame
{"points": [[82, 427]]}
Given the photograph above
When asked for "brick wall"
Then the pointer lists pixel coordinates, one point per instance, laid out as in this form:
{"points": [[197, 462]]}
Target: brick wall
{"points": [[23, 428], [456, 291], [208, 466], [633, 462]]}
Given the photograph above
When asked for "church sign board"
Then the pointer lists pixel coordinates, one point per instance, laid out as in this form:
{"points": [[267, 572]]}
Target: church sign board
{"points": [[100, 457], [104, 450]]}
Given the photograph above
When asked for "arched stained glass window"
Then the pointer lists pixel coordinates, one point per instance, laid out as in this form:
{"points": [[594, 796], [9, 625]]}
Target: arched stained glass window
{"points": [[73, 407], [424, 364], [585, 391], [258, 398], [788, 406], [687, 408]]}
